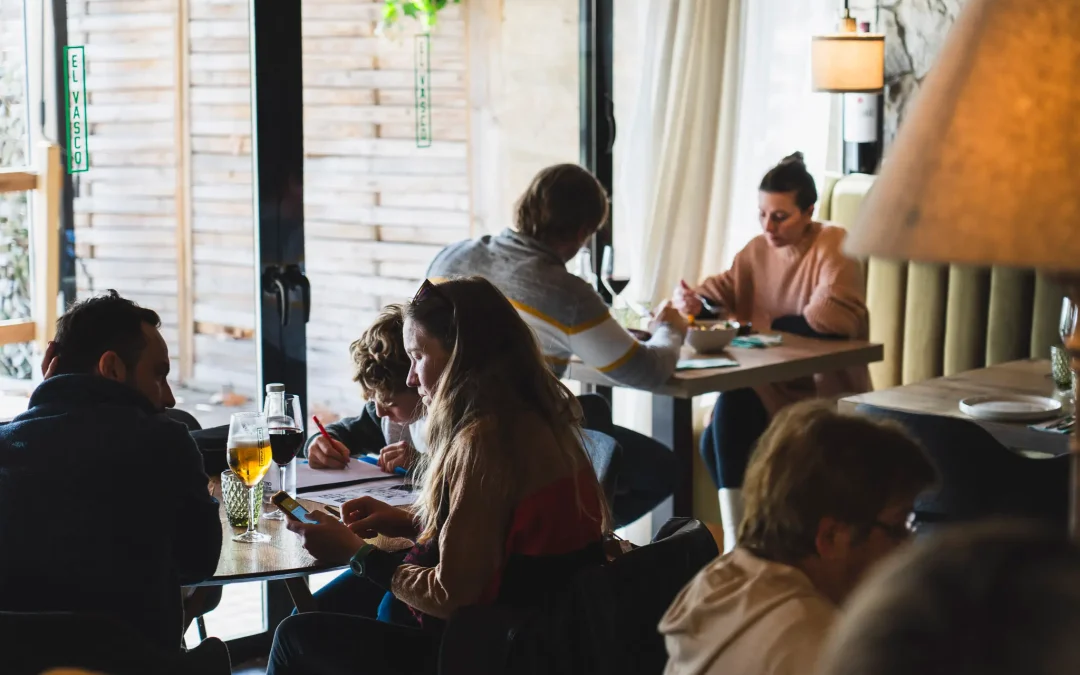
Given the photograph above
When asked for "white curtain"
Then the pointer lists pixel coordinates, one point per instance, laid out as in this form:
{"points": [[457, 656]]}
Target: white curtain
{"points": [[673, 174], [724, 94], [778, 112]]}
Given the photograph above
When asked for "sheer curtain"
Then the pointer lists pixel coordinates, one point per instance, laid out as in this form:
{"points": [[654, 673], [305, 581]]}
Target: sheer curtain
{"points": [[674, 172], [720, 92], [778, 113], [724, 94]]}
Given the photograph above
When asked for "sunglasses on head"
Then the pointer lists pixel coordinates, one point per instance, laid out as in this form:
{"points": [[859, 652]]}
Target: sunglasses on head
{"points": [[430, 290]]}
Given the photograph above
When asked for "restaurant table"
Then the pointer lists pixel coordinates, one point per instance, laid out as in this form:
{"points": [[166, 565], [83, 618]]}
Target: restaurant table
{"points": [[283, 557], [942, 396], [672, 404]]}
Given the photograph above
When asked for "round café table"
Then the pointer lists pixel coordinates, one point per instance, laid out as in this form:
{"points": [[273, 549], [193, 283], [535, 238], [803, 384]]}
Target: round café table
{"points": [[283, 557]]}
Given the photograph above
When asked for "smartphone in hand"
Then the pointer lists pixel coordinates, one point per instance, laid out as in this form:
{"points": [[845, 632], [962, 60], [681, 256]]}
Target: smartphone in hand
{"points": [[291, 507]]}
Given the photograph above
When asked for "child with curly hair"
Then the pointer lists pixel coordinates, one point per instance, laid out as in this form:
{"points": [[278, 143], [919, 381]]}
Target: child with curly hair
{"points": [[392, 423]]}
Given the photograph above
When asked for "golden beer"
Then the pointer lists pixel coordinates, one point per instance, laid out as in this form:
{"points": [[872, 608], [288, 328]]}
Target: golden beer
{"points": [[250, 458]]}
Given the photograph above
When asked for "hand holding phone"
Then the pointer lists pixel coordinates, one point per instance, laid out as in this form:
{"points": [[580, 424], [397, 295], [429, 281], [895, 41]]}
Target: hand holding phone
{"points": [[292, 508]]}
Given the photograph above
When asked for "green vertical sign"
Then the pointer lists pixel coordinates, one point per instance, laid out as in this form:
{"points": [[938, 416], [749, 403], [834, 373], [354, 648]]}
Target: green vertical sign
{"points": [[77, 129], [423, 90]]}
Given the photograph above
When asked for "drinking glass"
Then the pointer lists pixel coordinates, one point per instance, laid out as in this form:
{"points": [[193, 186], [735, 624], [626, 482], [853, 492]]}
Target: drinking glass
{"points": [[1067, 324], [286, 423], [584, 266], [249, 458], [235, 496], [615, 285], [1061, 369]]}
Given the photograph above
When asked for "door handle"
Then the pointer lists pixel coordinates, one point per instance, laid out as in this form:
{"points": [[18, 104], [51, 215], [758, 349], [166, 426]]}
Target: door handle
{"points": [[274, 283], [609, 113], [280, 283], [297, 279]]}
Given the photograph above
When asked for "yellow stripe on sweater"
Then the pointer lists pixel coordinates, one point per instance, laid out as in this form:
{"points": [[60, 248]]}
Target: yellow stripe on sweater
{"points": [[569, 330], [621, 361]]}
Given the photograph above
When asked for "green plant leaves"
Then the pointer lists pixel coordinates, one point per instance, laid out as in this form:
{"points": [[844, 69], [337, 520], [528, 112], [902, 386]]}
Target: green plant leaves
{"points": [[424, 10]]}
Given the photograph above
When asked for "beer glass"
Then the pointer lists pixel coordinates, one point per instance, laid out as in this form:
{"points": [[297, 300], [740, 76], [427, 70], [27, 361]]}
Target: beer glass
{"points": [[286, 423], [249, 458]]}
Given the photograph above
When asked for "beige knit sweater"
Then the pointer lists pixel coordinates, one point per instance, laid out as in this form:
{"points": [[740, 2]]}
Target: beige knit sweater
{"points": [[812, 278]]}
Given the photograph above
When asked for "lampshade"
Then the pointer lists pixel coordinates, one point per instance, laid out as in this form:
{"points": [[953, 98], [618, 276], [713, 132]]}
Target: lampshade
{"points": [[986, 167], [848, 62]]}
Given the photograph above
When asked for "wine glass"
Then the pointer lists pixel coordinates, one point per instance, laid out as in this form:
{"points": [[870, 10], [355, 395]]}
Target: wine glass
{"points": [[286, 423], [614, 284], [249, 458], [1067, 324], [584, 266]]}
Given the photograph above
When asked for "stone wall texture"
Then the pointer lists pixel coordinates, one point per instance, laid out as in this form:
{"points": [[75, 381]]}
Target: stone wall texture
{"points": [[915, 31]]}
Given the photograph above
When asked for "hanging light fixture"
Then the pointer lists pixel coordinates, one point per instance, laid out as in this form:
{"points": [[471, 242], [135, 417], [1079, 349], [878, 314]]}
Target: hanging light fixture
{"points": [[851, 62], [848, 61]]}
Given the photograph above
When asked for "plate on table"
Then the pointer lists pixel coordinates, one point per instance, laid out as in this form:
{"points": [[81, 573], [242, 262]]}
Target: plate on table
{"points": [[1010, 407]]}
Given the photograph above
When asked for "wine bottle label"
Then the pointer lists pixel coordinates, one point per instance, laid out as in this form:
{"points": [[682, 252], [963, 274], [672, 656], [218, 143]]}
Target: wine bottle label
{"points": [[860, 118]]}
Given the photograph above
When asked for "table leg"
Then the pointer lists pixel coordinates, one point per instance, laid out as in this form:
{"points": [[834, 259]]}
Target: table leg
{"points": [[606, 392], [673, 425], [195, 605], [301, 594]]}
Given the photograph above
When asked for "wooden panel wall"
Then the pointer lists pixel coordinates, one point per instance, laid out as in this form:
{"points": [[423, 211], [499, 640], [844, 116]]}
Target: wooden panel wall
{"points": [[222, 217], [125, 206], [377, 207]]}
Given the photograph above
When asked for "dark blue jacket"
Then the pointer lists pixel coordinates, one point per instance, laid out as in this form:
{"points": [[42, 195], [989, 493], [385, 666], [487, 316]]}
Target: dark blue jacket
{"points": [[104, 507]]}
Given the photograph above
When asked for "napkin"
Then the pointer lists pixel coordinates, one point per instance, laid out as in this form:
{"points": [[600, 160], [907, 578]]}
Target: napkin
{"points": [[1056, 426], [700, 364], [757, 341]]}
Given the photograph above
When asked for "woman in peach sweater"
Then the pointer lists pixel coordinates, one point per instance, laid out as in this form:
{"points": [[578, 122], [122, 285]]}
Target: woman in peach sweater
{"points": [[795, 278]]}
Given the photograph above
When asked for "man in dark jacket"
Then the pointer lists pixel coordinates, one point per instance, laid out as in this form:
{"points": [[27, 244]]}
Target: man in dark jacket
{"points": [[104, 505]]}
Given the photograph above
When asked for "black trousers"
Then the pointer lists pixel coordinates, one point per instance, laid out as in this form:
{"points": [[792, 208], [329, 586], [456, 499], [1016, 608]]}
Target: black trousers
{"points": [[345, 637], [321, 643], [738, 420]]}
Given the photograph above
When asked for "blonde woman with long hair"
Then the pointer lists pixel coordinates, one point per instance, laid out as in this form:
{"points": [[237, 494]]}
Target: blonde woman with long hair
{"points": [[509, 507]]}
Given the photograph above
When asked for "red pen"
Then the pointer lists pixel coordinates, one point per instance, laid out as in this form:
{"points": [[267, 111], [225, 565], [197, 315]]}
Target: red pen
{"points": [[322, 430]]}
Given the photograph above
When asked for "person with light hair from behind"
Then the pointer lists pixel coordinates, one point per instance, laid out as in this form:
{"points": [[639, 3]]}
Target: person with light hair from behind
{"points": [[827, 496], [999, 598]]}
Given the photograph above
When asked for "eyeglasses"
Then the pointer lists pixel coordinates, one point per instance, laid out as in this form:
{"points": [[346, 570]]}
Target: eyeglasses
{"points": [[898, 532]]}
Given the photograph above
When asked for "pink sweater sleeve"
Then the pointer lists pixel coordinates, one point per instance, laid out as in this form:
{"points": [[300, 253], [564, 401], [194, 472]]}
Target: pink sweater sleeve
{"points": [[721, 287], [838, 302]]}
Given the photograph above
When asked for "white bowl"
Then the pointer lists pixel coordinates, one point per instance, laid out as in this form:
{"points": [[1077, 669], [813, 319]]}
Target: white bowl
{"points": [[708, 340]]}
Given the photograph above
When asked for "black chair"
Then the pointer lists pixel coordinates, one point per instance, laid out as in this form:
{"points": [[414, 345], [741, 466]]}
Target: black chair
{"points": [[605, 453], [604, 623], [35, 642], [210, 597], [980, 477]]}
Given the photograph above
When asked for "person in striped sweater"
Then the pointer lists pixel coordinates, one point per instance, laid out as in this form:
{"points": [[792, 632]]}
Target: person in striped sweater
{"points": [[559, 212]]}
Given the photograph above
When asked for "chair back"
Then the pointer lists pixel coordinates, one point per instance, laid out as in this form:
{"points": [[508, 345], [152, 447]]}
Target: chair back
{"points": [[604, 623], [980, 477], [945, 319], [605, 453]]}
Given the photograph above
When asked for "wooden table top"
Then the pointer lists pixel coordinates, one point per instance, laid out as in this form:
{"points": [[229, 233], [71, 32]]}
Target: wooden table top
{"points": [[942, 396], [280, 558], [796, 357]]}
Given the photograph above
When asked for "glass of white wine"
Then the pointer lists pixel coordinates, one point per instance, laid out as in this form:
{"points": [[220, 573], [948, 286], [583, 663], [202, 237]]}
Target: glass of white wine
{"points": [[249, 458]]}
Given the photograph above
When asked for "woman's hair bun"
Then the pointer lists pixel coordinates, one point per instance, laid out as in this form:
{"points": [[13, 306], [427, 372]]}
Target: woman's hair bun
{"points": [[794, 158]]}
